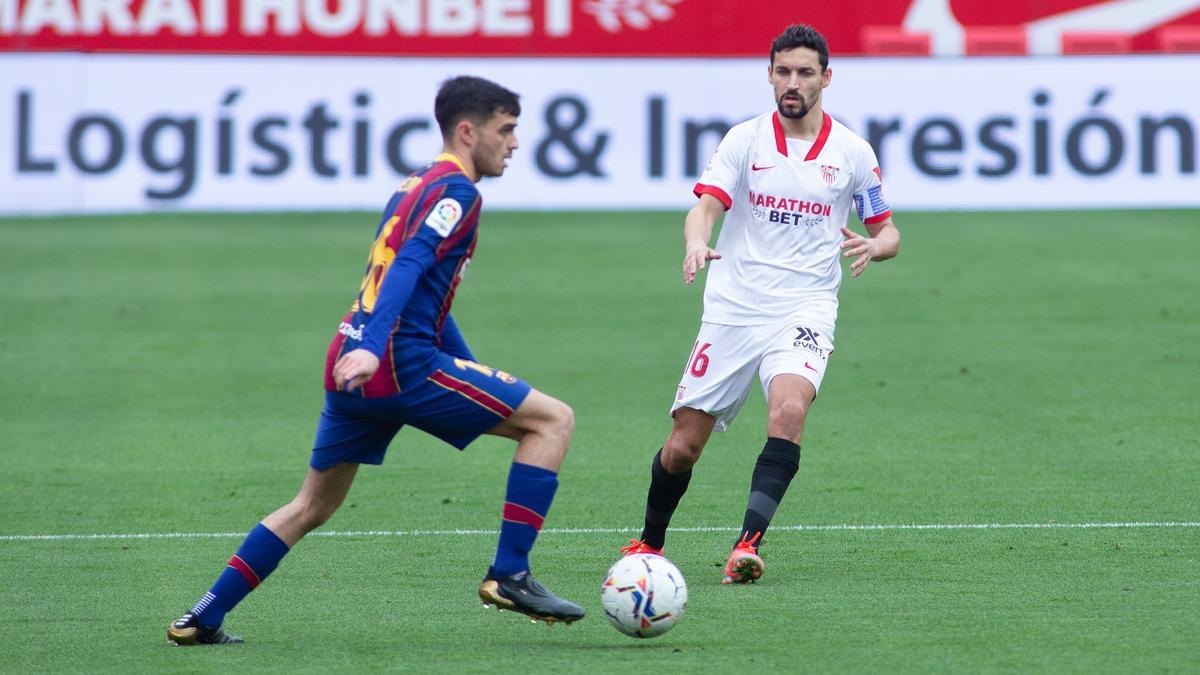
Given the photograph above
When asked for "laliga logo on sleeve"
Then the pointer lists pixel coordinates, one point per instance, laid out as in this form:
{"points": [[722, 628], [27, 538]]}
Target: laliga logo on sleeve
{"points": [[444, 216]]}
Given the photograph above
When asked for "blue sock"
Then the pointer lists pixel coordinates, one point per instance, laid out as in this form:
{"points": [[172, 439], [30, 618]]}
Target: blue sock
{"points": [[259, 556], [526, 502]]}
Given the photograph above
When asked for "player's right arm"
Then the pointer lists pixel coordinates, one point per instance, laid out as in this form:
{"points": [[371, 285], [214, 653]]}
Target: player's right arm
{"points": [[415, 257], [357, 366], [697, 231], [354, 368], [719, 180]]}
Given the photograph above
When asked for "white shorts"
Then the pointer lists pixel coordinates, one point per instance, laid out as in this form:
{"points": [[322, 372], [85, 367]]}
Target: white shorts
{"points": [[725, 359]]}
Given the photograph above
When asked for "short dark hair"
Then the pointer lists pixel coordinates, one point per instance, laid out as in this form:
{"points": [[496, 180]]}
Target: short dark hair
{"points": [[801, 35], [474, 98]]}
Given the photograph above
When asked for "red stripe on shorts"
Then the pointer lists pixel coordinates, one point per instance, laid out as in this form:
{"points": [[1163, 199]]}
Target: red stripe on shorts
{"points": [[472, 392]]}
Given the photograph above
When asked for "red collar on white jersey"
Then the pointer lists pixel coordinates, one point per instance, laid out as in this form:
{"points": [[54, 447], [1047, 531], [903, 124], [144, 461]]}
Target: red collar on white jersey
{"points": [[822, 136]]}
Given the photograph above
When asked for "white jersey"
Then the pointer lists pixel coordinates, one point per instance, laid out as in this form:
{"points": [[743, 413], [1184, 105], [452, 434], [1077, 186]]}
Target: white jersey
{"points": [[786, 201]]}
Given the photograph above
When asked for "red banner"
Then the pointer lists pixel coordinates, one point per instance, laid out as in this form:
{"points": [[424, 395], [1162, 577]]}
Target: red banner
{"points": [[670, 28]]}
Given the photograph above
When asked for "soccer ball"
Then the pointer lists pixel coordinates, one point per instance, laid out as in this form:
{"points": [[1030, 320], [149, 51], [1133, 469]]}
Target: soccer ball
{"points": [[643, 595]]}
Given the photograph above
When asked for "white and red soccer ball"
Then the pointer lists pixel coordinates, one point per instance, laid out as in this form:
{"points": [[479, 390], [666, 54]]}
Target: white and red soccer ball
{"points": [[643, 595]]}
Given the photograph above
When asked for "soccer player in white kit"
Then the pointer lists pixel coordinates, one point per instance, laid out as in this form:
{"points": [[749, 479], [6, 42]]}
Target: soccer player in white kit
{"points": [[787, 181]]}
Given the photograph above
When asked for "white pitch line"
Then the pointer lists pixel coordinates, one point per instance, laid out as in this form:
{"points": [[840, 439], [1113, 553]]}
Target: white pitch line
{"points": [[618, 530]]}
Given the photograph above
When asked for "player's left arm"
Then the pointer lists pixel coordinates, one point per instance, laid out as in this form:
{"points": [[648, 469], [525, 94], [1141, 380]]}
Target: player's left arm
{"points": [[882, 244], [883, 240]]}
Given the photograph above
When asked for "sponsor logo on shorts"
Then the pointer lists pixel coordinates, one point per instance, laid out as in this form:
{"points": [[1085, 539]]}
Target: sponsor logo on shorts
{"points": [[806, 338], [350, 331]]}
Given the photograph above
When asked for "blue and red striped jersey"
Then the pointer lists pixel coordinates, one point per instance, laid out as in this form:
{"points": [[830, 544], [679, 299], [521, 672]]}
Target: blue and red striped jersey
{"points": [[425, 240]]}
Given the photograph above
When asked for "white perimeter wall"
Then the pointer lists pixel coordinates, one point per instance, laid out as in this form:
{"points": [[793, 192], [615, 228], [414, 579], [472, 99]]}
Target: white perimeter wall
{"points": [[90, 133]]}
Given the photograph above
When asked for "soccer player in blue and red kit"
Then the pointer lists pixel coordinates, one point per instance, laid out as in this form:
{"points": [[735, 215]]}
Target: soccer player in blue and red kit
{"points": [[398, 358]]}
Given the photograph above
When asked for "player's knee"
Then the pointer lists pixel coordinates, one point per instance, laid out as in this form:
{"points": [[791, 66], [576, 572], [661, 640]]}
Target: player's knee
{"points": [[679, 453], [561, 420], [312, 514], [788, 413]]}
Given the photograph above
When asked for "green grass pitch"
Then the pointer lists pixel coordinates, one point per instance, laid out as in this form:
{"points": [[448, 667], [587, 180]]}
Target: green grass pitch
{"points": [[162, 374]]}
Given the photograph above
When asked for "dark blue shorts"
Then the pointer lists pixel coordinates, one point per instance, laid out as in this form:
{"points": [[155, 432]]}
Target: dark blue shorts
{"points": [[457, 403]]}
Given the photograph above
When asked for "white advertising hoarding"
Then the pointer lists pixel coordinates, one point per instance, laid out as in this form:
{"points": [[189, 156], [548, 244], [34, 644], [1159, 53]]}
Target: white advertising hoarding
{"points": [[90, 133]]}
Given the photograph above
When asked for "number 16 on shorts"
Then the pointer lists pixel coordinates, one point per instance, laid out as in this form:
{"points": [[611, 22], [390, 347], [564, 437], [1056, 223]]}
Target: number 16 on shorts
{"points": [[697, 365], [698, 362]]}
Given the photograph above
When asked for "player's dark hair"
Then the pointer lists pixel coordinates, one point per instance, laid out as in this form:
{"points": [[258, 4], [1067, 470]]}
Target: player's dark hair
{"points": [[474, 98], [801, 35]]}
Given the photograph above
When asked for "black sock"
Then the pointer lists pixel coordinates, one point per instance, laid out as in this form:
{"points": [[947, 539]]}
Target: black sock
{"points": [[777, 464], [665, 492]]}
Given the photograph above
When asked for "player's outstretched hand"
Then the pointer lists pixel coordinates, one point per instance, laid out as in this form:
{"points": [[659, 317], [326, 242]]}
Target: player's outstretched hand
{"points": [[354, 369], [694, 258], [858, 247]]}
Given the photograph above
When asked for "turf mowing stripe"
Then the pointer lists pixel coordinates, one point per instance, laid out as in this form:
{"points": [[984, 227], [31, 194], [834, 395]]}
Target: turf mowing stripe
{"points": [[614, 530]]}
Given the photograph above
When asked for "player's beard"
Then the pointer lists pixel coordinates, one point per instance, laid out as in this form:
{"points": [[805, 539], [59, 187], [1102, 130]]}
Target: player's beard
{"points": [[489, 166], [794, 113]]}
